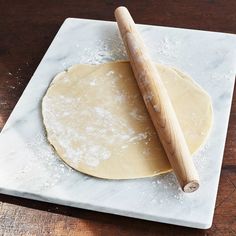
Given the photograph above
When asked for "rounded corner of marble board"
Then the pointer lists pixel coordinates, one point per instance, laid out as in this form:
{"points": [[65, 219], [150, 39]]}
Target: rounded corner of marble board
{"points": [[68, 19], [206, 225]]}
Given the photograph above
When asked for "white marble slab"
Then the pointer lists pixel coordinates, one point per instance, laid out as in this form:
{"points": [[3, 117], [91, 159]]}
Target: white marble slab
{"points": [[30, 169]]}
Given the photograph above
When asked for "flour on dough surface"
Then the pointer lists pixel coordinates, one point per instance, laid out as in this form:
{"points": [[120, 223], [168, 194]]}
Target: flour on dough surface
{"points": [[97, 122]]}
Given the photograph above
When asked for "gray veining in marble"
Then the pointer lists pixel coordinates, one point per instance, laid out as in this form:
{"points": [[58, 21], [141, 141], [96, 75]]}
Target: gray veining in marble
{"points": [[29, 168]]}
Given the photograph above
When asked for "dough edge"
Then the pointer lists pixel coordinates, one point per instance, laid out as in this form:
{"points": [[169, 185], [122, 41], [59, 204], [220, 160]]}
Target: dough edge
{"points": [[183, 75]]}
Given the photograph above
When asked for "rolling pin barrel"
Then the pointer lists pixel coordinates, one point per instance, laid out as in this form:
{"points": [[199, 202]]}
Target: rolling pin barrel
{"points": [[158, 103]]}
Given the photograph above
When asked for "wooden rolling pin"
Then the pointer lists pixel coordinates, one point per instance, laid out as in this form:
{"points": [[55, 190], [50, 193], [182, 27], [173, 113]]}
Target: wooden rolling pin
{"points": [[158, 103]]}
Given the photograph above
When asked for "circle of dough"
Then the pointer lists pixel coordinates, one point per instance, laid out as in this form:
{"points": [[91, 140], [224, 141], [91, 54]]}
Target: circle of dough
{"points": [[97, 122]]}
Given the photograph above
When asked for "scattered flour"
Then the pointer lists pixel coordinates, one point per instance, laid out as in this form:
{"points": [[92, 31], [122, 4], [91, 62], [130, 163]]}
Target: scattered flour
{"points": [[109, 49], [136, 114], [93, 82], [92, 154], [108, 127], [156, 108], [109, 73], [167, 50], [41, 158]]}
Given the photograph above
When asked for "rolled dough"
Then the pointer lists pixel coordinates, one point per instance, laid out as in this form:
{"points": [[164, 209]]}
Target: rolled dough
{"points": [[97, 122]]}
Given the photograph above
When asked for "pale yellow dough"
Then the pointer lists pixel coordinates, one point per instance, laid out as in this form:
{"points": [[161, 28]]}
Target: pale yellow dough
{"points": [[98, 124]]}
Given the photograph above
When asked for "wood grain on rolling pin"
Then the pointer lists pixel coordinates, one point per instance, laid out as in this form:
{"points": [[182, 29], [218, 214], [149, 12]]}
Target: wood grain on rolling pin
{"points": [[158, 103]]}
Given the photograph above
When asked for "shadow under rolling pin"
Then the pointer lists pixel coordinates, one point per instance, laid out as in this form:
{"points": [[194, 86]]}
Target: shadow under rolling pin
{"points": [[158, 103]]}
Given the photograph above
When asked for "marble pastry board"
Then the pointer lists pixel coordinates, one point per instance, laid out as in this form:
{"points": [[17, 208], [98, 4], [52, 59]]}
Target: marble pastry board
{"points": [[29, 168]]}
